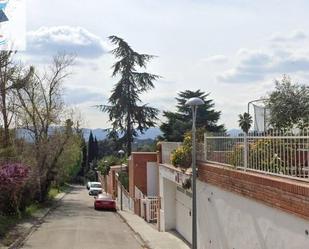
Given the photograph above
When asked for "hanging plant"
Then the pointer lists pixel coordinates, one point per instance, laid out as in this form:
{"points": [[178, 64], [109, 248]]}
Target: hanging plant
{"points": [[187, 184]]}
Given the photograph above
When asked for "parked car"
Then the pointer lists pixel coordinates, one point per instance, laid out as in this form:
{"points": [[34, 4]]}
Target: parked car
{"points": [[88, 185], [104, 201], [95, 188]]}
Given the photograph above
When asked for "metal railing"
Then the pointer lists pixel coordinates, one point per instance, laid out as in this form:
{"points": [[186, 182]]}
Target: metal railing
{"points": [[152, 208], [149, 205], [127, 201], [284, 153]]}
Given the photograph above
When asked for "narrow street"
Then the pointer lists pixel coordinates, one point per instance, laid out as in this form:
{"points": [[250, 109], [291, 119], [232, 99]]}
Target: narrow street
{"points": [[76, 225]]}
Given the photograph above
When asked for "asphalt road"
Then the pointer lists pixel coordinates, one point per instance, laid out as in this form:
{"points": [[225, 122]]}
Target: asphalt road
{"points": [[76, 225]]}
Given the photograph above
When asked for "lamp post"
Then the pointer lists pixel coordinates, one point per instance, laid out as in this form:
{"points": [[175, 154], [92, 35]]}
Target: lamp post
{"points": [[105, 181], [121, 153], [194, 103]]}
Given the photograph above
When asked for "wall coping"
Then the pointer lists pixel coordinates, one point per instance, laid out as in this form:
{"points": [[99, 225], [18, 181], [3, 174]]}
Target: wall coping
{"points": [[172, 167], [288, 195], [267, 180], [144, 153]]}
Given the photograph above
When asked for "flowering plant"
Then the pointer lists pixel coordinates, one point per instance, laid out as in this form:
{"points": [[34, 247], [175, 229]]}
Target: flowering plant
{"points": [[13, 176]]}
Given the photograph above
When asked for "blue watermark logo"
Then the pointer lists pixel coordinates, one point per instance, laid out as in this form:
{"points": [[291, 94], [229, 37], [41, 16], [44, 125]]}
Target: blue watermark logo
{"points": [[12, 25], [3, 18]]}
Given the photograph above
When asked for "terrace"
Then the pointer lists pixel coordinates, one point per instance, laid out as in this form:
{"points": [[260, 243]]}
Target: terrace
{"points": [[276, 152]]}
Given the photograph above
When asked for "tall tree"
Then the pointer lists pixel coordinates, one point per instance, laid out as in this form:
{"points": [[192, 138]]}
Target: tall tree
{"points": [[83, 147], [126, 113], [12, 77], [289, 104], [40, 110], [91, 152], [245, 122], [96, 148], [179, 122]]}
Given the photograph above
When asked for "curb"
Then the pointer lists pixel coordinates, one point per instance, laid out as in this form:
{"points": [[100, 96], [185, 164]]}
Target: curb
{"points": [[144, 243], [20, 241]]}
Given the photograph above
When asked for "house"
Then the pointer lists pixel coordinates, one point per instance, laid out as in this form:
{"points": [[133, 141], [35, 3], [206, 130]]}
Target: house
{"points": [[235, 208], [111, 179], [143, 184], [143, 173]]}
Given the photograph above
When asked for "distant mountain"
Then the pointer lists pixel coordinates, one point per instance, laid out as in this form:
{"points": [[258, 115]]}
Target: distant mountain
{"points": [[234, 132], [101, 134], [151, 133]]}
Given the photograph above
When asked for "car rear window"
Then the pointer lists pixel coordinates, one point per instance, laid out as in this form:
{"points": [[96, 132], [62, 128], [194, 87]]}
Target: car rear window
{"points": [[105, 197], [95, 185]]}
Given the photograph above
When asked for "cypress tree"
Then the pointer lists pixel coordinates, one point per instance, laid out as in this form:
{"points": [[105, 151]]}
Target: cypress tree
{"points": [[91, 152], [96, 148]]}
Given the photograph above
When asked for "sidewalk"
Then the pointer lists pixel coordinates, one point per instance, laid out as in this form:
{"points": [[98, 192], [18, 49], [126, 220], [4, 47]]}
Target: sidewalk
{"points": [[25, 228], [152, 237]]}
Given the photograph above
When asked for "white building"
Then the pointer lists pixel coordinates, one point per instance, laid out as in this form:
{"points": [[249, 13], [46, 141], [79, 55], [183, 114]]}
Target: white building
{"points": [[235, 209]]}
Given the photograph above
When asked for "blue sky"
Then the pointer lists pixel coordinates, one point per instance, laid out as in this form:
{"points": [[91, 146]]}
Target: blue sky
{"points": [[232, 49]]}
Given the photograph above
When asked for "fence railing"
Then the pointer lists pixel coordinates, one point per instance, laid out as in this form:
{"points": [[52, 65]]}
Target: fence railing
{"points": [[152, 208], [284, 153], [127, 201], [149, 206]]}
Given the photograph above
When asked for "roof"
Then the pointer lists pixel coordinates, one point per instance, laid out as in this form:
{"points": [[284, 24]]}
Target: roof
{"points": [[119, 166], [172, 167], [144, 153]]}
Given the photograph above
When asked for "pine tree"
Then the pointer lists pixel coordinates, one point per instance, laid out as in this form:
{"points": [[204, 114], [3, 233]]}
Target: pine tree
{"points": [[126, 113], [179, 122]]}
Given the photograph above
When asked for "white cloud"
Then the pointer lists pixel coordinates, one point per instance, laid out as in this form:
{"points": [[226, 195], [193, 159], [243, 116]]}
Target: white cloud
{"points": [[294, 36], [76, 40], [79, 96], [216, 59], [255, 65], [203, 28]]}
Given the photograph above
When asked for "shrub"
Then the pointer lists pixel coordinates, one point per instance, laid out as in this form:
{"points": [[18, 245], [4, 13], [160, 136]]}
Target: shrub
{"points": [[124, 179], [12, 179], [182, 156], [91, 175]]}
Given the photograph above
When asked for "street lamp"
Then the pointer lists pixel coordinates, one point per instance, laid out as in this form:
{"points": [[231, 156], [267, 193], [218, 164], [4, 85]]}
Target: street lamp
{"points": [[105, 180], [121, 153], [194, 103]]}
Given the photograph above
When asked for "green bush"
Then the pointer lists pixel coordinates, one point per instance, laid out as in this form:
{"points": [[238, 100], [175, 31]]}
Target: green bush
{"points": [[182, 156], [124, 179], [91, 175]]}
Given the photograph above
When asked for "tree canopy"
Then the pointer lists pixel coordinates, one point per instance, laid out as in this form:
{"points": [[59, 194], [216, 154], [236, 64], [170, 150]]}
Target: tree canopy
{"points": [[245, 122], [126, 112], [179, 122], [289, 104]]}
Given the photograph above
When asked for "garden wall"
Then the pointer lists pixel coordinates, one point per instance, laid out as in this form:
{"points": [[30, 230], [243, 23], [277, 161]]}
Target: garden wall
{"points": [[245, 210]]}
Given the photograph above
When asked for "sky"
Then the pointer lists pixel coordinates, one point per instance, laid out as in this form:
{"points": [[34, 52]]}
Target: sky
{"points": [[232, 49]]}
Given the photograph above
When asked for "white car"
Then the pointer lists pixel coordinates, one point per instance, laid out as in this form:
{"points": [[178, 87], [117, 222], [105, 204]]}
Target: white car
{"points": [[95, 188], [88, 185]]}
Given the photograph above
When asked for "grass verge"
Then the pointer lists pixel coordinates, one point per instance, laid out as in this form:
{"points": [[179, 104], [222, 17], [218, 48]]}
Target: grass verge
{"points": [[9, 223]]}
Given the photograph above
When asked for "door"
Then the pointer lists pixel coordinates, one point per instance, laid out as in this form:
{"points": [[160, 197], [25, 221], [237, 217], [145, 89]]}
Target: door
{"points": [[183, 213]]}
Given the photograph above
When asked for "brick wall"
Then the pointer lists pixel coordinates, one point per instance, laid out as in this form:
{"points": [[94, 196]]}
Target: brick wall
{"points": [[138, 170], [285, 194]]}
